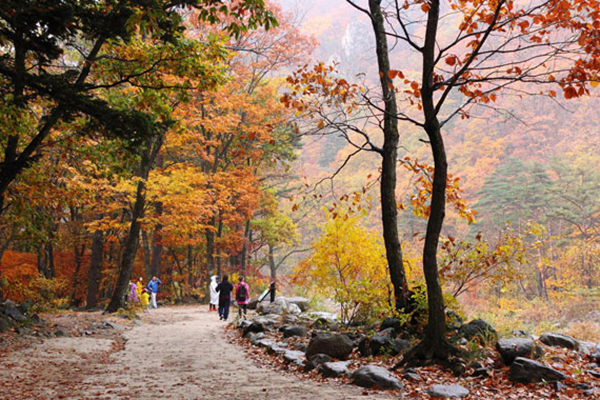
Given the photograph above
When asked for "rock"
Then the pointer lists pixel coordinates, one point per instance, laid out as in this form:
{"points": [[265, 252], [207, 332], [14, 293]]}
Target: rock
{"points": [[11, 310], [450, 391], [26, 306], [256, 337], [36, 320], [295, 330], [112, 325], [559, 340], [398, 345], [294, 357], [457, 366], [254, 327], [334, 369], [478, 329], [390, 322], [271, 346], [315, 361], [596, 353], [4, 324], [252, 304], [453, 320], [411, 376], [322, 323], [279, 307], [301, 302], [334, 345], [510, 349], [291, 319], [381, 342], [524, 370], [586, 347], [371, 375], [521, 334], [61, 332], [593, 373], [300, 346], [321, 314], [364, 346]]}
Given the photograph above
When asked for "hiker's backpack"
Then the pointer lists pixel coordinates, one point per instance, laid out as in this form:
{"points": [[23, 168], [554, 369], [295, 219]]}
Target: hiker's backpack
{"points": [[242, 293]]}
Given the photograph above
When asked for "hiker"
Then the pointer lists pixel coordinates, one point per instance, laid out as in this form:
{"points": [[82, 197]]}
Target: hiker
{"points": [[224, 288], [145, 299], [133, 297], [140, 287], [153, 288], [242, 294], [272, 291], [214, 296]]}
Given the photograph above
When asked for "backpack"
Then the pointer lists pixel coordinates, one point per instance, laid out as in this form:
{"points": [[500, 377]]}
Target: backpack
{"points": [[242, 293]]}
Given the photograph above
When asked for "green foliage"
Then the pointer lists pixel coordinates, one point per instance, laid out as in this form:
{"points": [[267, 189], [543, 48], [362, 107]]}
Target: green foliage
{"points": [[46, 294]]}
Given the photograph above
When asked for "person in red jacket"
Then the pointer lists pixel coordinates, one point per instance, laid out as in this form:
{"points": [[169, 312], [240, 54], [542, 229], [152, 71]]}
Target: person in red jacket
{"points": [[242, 295]]}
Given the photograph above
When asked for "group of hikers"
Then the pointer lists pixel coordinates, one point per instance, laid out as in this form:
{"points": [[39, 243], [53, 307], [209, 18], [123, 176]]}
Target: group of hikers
{"points": [[220, 296], [144, 296]]}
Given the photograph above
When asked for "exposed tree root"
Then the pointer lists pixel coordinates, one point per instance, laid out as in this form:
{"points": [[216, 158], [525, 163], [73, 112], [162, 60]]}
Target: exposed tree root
{"points": [[428, 353]]}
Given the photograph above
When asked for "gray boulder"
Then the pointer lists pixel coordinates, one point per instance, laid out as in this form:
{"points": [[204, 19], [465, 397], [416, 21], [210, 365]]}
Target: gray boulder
{"points": [[256, 337], [11, 311], [334, 345], [524, 370], [112, 325], [478, 329], [586, 347], [510, 349], [596, 353], [61, 332], [280, 307], [334, 369], [316, 360], [381, 342], [371, 375], [449, 391], [253, 327], [399, 345], [301, 302], [294, 357], [294, 330], [4, 324], [559, 340], [390, 322]]}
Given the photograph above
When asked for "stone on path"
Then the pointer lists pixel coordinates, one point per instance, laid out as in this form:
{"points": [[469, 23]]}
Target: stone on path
{"points": [[449, 391], [510, 349], [371, 375], [334, 369], [334, 345], [559, 340], [524, 370]]}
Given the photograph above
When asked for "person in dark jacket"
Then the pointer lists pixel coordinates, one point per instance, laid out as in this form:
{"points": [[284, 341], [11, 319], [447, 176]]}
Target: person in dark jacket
{"points": [[224, 288]]}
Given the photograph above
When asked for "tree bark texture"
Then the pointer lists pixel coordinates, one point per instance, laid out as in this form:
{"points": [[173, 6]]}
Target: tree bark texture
{"points": [[389, 207], [95, 270]]}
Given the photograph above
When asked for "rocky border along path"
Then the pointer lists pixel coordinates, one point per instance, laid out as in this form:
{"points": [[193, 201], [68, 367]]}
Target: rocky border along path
{"points": [[178, 353]]}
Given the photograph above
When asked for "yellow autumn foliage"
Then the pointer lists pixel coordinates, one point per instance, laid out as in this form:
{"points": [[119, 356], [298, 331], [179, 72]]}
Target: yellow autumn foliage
{"points": [[348, 265]]}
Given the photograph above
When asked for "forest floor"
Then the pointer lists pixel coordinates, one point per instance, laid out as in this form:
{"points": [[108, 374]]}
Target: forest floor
{"points": [[171, 353]]}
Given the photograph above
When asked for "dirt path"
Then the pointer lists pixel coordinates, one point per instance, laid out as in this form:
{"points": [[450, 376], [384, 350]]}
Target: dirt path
{"points": [[178, 353]]}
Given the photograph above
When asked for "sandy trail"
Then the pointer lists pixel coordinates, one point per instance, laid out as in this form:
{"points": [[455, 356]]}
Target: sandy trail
{"points": [[179, 353]]}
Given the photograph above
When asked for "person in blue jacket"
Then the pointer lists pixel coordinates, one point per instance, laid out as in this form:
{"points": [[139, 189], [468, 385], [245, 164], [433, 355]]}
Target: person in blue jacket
{"points": [[153, 288]]}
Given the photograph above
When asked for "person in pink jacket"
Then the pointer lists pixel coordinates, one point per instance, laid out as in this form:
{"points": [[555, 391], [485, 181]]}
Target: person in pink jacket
{"points": [[242, 295]]}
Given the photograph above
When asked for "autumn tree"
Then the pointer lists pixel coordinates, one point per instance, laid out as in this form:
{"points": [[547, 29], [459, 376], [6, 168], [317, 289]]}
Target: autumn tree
{"points": [[493, 48]]}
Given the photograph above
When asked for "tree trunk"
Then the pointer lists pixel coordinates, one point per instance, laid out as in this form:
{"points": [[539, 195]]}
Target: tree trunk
{"points": [[147, 257], [95, 270], [389, 208], [435, 343], [78, 252], [133, 238], [272, 265], [157, 247]]}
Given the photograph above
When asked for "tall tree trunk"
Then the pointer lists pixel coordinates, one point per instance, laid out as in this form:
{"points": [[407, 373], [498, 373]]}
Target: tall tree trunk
{"points": [[190, 264], [133, 238], [435, 343], [389, 208], [147, 256], [95, 270], [157, 247], [78, 252]]}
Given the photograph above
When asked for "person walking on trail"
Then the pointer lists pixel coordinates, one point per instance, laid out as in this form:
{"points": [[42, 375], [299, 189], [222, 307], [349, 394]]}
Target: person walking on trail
{"points": [[153, 288], [224, 288], [133, 296], [242, 294], [214, 295]]}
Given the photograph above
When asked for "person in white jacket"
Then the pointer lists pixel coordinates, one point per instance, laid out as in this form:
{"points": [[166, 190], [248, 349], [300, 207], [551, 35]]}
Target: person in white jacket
{"points": [[214, 295]]}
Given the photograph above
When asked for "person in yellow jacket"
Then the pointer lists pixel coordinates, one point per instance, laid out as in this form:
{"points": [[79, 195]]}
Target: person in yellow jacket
{"points": [[145, 299]]}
